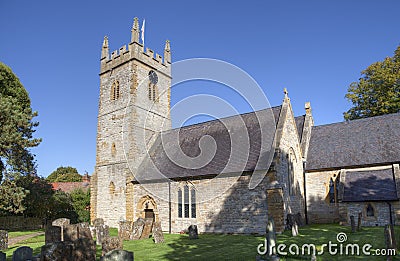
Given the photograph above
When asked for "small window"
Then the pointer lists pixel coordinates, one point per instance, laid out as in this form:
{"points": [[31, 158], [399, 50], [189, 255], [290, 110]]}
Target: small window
{"points": [[111, 188], [152, 92], [115, 94], [291, 160], [370, 210]]}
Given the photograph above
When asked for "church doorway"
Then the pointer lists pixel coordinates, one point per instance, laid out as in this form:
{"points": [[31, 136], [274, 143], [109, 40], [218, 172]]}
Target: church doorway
{"points": [[147, 208]]}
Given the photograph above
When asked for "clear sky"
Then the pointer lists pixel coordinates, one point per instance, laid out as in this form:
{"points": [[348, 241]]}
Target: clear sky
{"points": [[313, 48]]}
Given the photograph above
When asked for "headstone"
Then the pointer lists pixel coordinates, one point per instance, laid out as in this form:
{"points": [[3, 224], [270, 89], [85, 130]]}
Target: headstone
{"points": [[93, 231], [157, 233], [193, 232], [2, 256], [58, 251], [290, 219], [359, 221], [117, 255], [3, 239], [313, 257], [388, 240], [299, 219], [84, 250], [148, 226], [61, 222], [102, 232], [52, 234], [111, 243], [353, 224], [75, 231], [22, 254], [125, 230], [271, 240], [394, 243], [295, 229], [137, 229], [98, 222]]}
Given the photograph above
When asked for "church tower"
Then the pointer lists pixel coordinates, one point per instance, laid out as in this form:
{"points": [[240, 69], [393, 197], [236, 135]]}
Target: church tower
{"points": [[134, 106]]}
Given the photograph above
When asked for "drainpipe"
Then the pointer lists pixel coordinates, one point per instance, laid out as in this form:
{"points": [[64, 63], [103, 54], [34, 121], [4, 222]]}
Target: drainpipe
{"points": [[169, 207], [390, 213], [305, 190]]}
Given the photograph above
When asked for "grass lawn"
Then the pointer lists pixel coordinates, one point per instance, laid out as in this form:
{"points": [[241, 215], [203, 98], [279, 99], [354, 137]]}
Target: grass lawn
{"points": [[240, 247]]}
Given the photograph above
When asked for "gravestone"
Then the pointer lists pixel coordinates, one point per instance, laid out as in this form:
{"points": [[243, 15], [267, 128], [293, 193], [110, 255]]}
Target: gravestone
{"points": [[117, 255], [290, 219], [84, 249], [111, 243], [157, 233], [75, 231], [57, 251], [295, 229], [353, 224], [2, 256], [388, 240], [299, 219], [271, 240], [125, 229], [137, 229], [61, 222], [193, 232], [52, 234], [359, 221], [148, 226], [93, 231], [22, 254], [3, 239], [102, 232], [98, 222]]}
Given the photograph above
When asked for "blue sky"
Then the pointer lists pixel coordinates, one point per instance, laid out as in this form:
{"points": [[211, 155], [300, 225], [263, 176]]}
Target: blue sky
{"points": [[313, 48]]}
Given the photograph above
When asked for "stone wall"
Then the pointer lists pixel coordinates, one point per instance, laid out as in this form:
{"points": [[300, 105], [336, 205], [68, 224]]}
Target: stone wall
{"points": [[21, 223], [381, 211], [319, 209]]}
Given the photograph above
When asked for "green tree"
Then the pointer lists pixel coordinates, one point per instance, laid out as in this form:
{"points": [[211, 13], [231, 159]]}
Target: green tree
{"points": [[81, 204], [378, 91], [16, 125], [64, 174], [12, 196]]}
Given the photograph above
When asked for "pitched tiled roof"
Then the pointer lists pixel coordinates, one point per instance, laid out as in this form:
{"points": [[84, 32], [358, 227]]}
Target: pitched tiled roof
{"points": [[300, 125], [372, 185], [361, 142], [69, 186], [159, 163]]}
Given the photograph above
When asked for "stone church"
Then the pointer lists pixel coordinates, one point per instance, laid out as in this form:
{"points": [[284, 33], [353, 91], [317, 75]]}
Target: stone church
{"points": [[324, 173]]}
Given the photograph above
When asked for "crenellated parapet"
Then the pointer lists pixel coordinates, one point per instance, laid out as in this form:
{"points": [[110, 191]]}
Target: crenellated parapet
{"points": [[134, 51]]}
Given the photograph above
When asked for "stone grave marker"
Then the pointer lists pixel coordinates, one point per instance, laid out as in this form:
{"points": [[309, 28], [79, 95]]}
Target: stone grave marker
{"points": [[102, 232], [98, 222], [157, 233], [117, 254], [290, 219], [148, 226], [193, 232], [84, 230], [2, 256], [359, 221], [125, 229], [92, 231], [271, 240], [295, 229], [22, 254], [61, 222], [84, 249], [299, 219], [137, 229], [57, 251], [52, 234], [111, 243], [71, 232], [353, 224], [3, 239]]}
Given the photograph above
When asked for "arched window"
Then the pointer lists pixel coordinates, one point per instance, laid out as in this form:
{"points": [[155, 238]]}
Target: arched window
{"points": [[291, 160], [187, 206], [333, 190], [111, 188], [186, 200], [179, 203], [193, 202], [370, 210], [115, 94]]}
